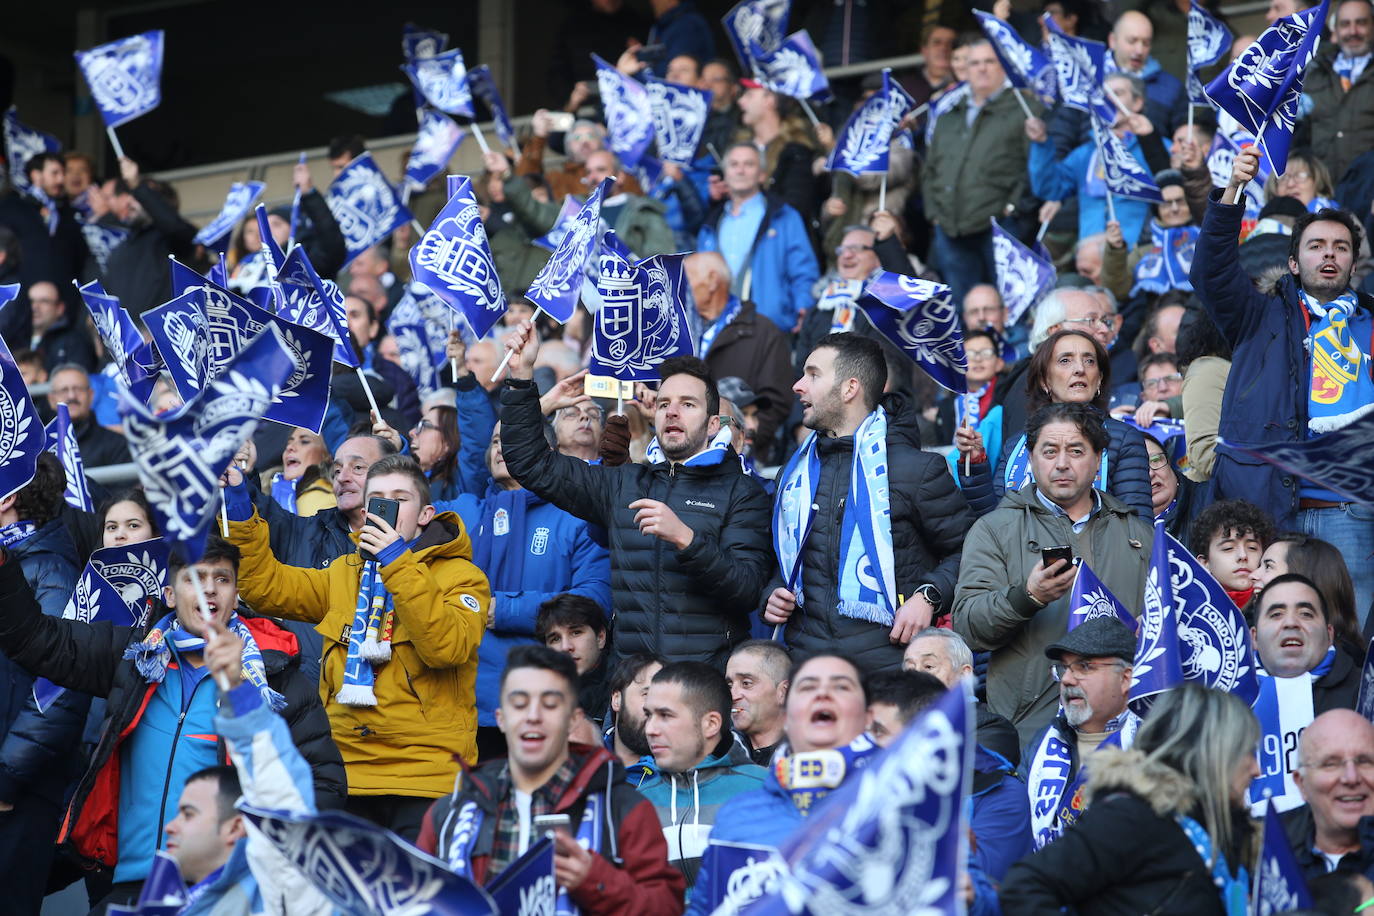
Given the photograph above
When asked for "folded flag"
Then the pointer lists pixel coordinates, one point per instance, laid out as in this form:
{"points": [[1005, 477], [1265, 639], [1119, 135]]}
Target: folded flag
{"points": [[62, 443], [629, 115], [1279, 883], [365, 205], [556, 287], [417, 42], [22, 143], [242, 196], [125, 76]]}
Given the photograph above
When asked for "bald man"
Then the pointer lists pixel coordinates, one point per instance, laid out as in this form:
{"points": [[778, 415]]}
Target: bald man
{"points": [[1335, 775], [1131, 41]]}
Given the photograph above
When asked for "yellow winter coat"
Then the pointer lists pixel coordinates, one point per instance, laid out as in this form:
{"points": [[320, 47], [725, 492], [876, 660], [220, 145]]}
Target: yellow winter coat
{"points": [[426, 713]]}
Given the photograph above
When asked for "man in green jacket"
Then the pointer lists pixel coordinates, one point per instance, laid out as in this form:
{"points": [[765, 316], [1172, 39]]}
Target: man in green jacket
{"points": [[1340, 85]]}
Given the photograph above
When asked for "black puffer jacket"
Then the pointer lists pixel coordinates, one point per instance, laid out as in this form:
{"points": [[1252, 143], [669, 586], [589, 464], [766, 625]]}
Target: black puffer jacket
{"points": [[929, 519], [685, 605], [90, 658]]}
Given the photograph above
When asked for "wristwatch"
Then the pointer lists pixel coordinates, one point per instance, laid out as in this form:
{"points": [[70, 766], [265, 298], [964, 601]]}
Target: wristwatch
{"points": [[931, 594]]}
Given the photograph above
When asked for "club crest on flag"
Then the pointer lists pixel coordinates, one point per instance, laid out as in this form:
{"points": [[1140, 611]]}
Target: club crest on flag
{"points": [[1023, 277], [679, 119], [863, 144], [1208, 39], [643, 315], [365, 205], [62, 443], [1124, 175], [1090, 598], [125, 76], [794, 69], [417, 42], [555, 288], [443, 81], [102, 240], [241, 198], [453, 258], [763, 22], [1026, 67], [919, 317], [629, 116], [136, 571], [438, 138], [22, 143], [22, 435], [181, 330]]}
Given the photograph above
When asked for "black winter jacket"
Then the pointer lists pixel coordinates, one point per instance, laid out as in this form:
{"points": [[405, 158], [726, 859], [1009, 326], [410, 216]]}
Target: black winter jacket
{"points": [[136, 271], [99, 446], [90, 658], [929, 519], [685, 605]]}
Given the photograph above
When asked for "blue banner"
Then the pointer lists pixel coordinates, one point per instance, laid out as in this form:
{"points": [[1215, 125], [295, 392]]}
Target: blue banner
{"points": [[62, 443], [1026, 66], [756, 22], [453, 258], [242, 196], [366, 870], [680, 114], [1079, 68], [365, 205], [1338, 460], [557, 286], [643, 315], [271, 254], [316, 304], [181, 330], [1090, 598], [484, 87], [792, 69], [629, 116], [920, 318], [418, 42], [862, 146], [1208, 40], [443, 81], [740, 874], [121, 338], [527, 885], [101, 240], [22, 143], [95, 599], [22, 435], [550, 240], [1124, 174], [1262, 86], [1279, 883], [416, 341], [125, 76], [1023, 277], [435, 144]]}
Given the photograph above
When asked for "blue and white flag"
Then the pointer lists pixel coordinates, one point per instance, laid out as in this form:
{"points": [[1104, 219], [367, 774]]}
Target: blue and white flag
{"points": [[121, 338], [551, 239], [1222, 156], [1158, 658], [740, 874], [1124, 174], [484, 87], [863, 143], [94, 599], [643, 315], [1261, 87], [1339, 460], [438, 139], [527, 885], [894, 838], [1364, 705], [181, 455], [242, 196], [163, 893], [1279, 883], [316, 304], [1079, 68], [1026, 66], [557, 286], [1208, 40], [629, 115], [273, 257], [1090, 598], [921, 318], [101, 240], [443, 81], [793, 69], [366, 870], [756, 22], [181, 330], [1023, 277], [679, 119], [417, 42], [62, 443], [453, 258], [22, 143], [22, 435], [8, 293], [420, 338], [125, 76], [365, 205]]}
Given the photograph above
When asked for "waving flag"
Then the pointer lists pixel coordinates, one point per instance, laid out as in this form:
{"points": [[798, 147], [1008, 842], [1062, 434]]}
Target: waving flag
{"points": [[366, 870], [181, 330], [365, 205], [1222, 156], [1079, 68], [792, 69], [1090, 598], [643, 315], [417, 42], [125, 76], [1158, 663], [102, 240], [272, 256], [435, 144], [1261, 87], [862, 145], [943, 105], [484, 87], [1025, 65], [22, 143], [920, 318], [679, 119], [93, 600], [757, 22], [558, 284], [163, 893], [1338, 460], [443, 81], [316, 304], [454, 260], [629, 115], [411, 333], [1123, 173], [551, 239], [894, 838], [181, 455], [1279, 883], [22, 436], [121, 338], [1208, 40], [1023, 277], [62, 443], [242, 196]]}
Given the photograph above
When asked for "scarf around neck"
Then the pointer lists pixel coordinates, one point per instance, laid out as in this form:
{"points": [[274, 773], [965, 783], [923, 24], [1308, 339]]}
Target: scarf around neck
{"points": [[153, 654], [16, 533], [807, 778], [369, 639]]}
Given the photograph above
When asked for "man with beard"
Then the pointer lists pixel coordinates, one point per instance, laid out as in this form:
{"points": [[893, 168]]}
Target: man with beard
{"points": [[625, 738], [688, 535]]}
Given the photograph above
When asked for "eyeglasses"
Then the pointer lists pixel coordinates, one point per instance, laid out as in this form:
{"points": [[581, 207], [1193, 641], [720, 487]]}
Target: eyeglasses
{"points": [[424, 425], [1173, 202], [854, 249], [1294, 176], [1150, 384], [1093, 321], [1333, 765], [982, 353], [1159, 461], [1081, 668]]}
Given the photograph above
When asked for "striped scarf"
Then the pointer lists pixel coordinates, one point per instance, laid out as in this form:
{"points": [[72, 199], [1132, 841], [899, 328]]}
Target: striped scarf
{"points": [[153, 654], [369, 639]]}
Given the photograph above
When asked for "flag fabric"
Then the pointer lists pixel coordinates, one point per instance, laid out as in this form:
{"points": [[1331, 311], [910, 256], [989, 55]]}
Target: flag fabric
{"points": [[1158, 660], [417, 42], [22, 435], [760, 22], [643, 315], [629, 114], [314, 303], [792, 69], [163, 892], [420, 341], [942, 106], [921, 318], [1339, 460], [1284, 709], [102, 240], [1023, 277], [181, 455], [739, 874], [1364, 705], [1222, 156], [125, 76], [8, 293], [443, 81], [62, 443], [863, 143], [365, 205], [366, 870], [1279, 883], [679, 119], [242, 196], [1090, 598], [1079, 68], [556, 287], [181, 330], [94, 599], [1262, 87], [22, 143], [121, 339], [527, 885], [1026, 66], [272, 255], [1208, 40], [895, 837], [551, 239], [438, 139], [483, 86], [1124, 174], [453, 258], [137, 571]]}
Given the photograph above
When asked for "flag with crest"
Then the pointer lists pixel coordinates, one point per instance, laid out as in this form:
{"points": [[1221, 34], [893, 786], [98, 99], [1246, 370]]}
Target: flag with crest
{"points": [[1090, 598], [1279, 883], [862, 146], [453, 258], [443, 81], [556, 288], [22, 143], [62, 443], [1123, 173], [642, 319], [1026, 66], [1208, 40], [761, 23], [124, 76], [1023, 276], [921, 318], [680, 114], [128, 351], [365, 205], [438, 139], [22, 435], [417, 42], [242, 195], [629, 114], [792, 69], [1079, 68], [483, 85]]}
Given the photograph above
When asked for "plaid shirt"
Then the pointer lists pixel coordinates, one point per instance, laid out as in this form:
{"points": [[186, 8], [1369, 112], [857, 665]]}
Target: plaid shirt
{"points": [[505, 844]]}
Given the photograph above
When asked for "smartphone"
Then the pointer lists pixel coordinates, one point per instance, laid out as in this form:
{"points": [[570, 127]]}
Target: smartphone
{"points": [[387, 510], [650, 53], [544, 823], [1052, 555], [561, 121]]}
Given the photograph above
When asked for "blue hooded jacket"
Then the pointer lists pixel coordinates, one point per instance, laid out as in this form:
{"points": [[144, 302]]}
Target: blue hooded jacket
{"points": [[783, 264]]}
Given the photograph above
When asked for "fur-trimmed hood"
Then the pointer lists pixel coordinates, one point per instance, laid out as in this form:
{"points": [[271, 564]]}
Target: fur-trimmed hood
{"points": [[1166, 790]]}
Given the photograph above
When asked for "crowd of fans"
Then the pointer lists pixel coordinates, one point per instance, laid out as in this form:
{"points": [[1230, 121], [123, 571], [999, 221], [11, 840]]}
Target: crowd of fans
{"points": [[780, 553]]}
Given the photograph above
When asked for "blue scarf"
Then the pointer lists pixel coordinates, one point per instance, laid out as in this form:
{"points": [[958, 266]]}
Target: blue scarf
{"points": [[1018, 470], [16, 533], [498, 549], [708, 336], [369, 639], [284, 492], [1235, 891], [712, 454], [968, 408], [868, 584], [153, 654], [1345, 68], [1056, 798], [1341, 390], [808, 777], [1168, 261]]}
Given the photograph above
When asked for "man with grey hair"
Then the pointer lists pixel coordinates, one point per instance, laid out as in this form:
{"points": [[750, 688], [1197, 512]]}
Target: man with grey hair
{"points": [[944, 654], [757, 674], [577, 429], [71, 385]]}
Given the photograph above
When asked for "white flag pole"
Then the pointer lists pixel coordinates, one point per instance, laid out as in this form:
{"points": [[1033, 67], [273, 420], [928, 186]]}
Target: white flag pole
{"points": [[1117, 99], [1022, 99], [1044, 227], [367, 389], [114, 141], [453, 326], [481, 137], [815, 122], [882, 194], [505, 360], [220, 680]]}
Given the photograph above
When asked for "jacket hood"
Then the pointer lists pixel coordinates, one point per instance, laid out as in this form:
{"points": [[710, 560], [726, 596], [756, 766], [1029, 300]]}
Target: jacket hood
{"points": [[901, 419], [1166, 790], [279, 646], [50, 538]]}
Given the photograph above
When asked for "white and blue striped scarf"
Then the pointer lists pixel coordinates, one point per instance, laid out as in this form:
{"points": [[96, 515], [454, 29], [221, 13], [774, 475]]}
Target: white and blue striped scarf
{"points": [[46, 202], [868, 585], [153, 654], [369, 639], [712, 454]]}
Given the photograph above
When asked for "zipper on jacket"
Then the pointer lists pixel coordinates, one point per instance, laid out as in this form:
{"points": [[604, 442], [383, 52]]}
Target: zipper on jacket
{"points": [[171, 761]]}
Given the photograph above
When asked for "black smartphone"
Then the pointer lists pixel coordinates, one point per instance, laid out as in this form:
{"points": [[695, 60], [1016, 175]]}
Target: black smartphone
{"points": [[1052, 555], [388, 510]]}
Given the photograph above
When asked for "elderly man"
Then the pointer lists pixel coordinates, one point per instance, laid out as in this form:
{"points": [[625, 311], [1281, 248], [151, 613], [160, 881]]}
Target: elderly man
{"points": [[944, 654], [736, 342], [984, 309], [1335, 774], [581, 140], [1092, 665], [757, 676], [99, 446], [1340, 86]]}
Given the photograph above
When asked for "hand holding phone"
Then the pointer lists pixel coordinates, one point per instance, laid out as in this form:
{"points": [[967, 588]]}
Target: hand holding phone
{"points": [[1049, 556], [388, 510]]}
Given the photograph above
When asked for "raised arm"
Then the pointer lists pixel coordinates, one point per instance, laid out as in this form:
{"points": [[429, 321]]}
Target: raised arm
{"points": [[1222, 285], [270, 587]]}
